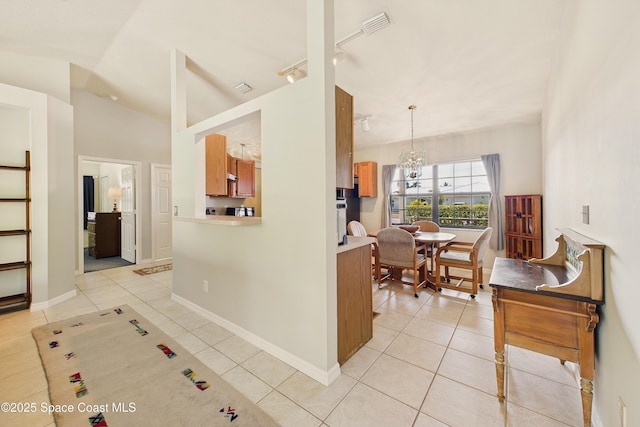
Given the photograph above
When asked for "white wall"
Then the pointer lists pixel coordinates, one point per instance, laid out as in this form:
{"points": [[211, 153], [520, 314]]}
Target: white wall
{"points": [[519, 146], [48, 134], [590, 155], [106, 129], [276, 280]]}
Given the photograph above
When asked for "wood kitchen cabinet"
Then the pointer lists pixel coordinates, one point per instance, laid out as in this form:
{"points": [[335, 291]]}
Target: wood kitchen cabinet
{"points": [[367, 174], [523, 226], [219, 164], [355, 301], [344, 139], [216, 165]]}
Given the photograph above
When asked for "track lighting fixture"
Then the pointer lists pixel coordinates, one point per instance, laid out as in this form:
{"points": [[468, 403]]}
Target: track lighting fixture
{"points": [[367, 27]]}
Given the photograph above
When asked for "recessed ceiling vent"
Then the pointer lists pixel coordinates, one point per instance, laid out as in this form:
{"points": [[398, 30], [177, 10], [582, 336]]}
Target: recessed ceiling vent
{"points": [[376, 23], [243, 88]]}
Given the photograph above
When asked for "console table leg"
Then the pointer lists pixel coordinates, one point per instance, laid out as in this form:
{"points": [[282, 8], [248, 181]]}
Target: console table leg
{"points": [[500, 375], [586, 391]]}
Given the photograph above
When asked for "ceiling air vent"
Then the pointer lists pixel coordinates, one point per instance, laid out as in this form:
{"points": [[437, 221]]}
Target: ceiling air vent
{"points": [[376, 23], [243, 88]]}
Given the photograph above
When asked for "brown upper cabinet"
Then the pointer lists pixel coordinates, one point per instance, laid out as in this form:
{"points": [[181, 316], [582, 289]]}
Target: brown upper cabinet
{"points": [[367, 174], [219, 164], [216, 165], [344, 139]]}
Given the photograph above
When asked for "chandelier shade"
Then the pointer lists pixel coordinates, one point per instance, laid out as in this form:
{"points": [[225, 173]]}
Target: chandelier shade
{"points": [[411, 162]]}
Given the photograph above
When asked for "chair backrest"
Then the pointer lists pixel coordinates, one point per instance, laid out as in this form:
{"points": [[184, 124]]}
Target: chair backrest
{"points": [[355, 228], [427, 225], [395, 246], [482, 242]]}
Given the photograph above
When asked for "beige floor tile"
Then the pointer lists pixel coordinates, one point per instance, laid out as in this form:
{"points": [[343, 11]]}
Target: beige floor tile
{"points": [[429, 331], [366, 407], [478, 325], [391, 319], [171, 328], [190, 320], [424, 420], [448, 315], [398, 379], [190, 342], [216, 361], [236, 349], [247, 383], [269, 369], [456, 404], [543, 366], [425, 354], [316, 398], [286, 413], [472, 343], [401, 303], [444, 300], [553, 399], [517, 416], [469, 370], [358, 364], [211, 333], [382, 337], [481, 310]]}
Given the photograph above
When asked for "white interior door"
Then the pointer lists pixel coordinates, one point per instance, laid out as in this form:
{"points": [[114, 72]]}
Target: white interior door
{"points": [[161, 211], [128, 210]]}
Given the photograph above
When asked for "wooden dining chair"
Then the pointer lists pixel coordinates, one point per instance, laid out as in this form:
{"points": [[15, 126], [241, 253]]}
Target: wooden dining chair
{"points": [[429, 226], [463, 255], [397, 250]]}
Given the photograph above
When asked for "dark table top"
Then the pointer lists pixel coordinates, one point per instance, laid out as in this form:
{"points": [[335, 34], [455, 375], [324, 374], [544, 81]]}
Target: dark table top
{"points": [[520, 275]]}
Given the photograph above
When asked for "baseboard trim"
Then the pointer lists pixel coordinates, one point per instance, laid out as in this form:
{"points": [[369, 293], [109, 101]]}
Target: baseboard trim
{"points": [[50, 303], [323, 377]]}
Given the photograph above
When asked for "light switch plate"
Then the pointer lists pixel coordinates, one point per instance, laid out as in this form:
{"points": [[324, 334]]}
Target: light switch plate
{"points": [[585, 214]]}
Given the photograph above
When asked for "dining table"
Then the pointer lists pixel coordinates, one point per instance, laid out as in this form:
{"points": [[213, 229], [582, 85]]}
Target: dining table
{"points": [[434, 239]]}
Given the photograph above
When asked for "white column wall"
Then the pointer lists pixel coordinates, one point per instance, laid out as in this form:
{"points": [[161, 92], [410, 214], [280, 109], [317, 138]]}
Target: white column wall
{"points": [[590, 157], [275, 282]]}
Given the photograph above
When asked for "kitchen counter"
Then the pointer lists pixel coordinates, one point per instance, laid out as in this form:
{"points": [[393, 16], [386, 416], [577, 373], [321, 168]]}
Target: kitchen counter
{"points": [[220, 219], [354, 243]]}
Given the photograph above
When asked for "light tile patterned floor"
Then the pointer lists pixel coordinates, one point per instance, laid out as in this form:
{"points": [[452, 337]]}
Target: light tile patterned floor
{"points": [[430, 362]]}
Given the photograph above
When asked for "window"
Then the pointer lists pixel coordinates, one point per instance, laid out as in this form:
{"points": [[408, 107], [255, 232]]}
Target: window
{"points": [[449, 194]]}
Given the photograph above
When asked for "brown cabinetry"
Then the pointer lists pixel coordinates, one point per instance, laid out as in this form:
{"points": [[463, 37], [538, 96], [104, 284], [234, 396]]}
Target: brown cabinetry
{"points": [[344, 139], [104, 234], [367, 174], [355, 305], [219, 164], [523, 226]]}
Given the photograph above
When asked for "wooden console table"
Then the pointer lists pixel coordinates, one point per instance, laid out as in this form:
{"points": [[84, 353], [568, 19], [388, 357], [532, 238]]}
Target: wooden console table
{"points": [[549, 306]]}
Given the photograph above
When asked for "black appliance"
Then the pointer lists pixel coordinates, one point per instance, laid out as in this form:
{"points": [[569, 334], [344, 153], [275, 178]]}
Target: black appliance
{"points": [[242, 211]]}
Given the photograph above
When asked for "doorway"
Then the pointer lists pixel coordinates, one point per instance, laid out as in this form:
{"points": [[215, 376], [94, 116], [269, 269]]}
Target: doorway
{"points": [[114, 196]]}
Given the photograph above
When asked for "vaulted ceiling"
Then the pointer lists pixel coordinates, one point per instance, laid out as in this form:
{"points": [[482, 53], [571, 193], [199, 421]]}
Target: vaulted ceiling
{"points": [[466, 64]]}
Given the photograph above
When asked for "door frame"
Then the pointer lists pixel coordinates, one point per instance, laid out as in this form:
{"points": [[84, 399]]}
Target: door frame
{"points": [[80, 209], [154, 202]]}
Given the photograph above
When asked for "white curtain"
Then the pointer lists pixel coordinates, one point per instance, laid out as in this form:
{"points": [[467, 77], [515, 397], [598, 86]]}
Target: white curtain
{"points": [[387, 178], [496, 216]]}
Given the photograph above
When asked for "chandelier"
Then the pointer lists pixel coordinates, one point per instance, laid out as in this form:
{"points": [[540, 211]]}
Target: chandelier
{"points": [[411, 162]]}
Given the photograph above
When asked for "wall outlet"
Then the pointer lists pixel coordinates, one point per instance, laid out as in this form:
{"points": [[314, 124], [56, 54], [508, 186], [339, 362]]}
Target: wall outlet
{"points": [[205, 286], [585, 214], [622, 409]]}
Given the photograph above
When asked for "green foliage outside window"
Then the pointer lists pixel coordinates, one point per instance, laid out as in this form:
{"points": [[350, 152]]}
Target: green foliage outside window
{"points": [[476, 215]]}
